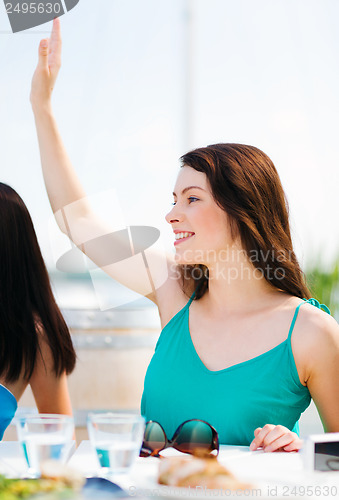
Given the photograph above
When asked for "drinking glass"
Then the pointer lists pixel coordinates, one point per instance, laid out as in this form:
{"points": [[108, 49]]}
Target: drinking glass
{"points": [[44, 437], [117, 439]]}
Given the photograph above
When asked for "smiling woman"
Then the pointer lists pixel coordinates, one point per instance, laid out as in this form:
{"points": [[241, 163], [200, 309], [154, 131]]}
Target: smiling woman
{"points": [[249, 348], [242, 182], [234, 245]]}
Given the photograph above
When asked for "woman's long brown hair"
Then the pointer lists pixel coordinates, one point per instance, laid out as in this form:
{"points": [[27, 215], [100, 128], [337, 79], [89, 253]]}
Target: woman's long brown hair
{"points": [[246, 185], [27, 304]]}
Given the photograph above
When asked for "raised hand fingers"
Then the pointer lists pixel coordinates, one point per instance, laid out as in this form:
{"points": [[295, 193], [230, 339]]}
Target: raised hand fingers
{"points": [[56, 31], [43, 54], [47, 69], [55, 45]]}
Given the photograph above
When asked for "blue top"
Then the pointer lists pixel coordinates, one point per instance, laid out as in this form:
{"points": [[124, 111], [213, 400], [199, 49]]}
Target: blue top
{"points": [[8, 406], [262, 390]]}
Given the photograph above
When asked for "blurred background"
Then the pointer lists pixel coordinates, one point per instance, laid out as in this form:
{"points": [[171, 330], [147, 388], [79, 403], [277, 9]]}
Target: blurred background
{"points": [[142, 82]]}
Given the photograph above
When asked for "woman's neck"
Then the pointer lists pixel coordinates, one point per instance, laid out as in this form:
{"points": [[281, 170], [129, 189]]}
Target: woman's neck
{"points": [[237, 282]]}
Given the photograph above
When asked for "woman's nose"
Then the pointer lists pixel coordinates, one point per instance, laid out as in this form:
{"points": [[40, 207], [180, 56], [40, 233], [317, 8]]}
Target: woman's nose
{"points": [[173, 215]]}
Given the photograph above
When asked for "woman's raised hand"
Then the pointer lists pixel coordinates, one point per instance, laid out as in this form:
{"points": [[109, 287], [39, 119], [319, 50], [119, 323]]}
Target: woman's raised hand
{"points": [[275, 438], [47, 70]]}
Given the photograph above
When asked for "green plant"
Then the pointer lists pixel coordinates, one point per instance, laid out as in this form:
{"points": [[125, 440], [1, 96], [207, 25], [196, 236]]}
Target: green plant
{"points": [[324, 284]]}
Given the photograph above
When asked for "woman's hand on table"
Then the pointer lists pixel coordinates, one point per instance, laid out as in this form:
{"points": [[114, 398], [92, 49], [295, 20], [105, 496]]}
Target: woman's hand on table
{"points": [[275, 438], [48, 67]]}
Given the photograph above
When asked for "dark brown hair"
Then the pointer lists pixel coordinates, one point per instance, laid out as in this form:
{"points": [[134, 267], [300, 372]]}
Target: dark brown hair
{"points": [[27, 305], [246, 185]]}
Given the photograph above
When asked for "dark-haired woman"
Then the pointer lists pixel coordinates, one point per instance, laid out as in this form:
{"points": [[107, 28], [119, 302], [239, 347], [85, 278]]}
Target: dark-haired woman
{"points": [[249, 349], [35, 344]]}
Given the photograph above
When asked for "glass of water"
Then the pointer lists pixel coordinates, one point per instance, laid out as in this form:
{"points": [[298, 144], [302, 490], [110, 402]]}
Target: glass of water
{"points": [[117, 439], [45, 437]]}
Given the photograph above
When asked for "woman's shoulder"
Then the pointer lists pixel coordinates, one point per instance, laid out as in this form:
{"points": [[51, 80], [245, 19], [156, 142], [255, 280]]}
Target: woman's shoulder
{"points": [[316, 322], [311, 316], [315, 335]]}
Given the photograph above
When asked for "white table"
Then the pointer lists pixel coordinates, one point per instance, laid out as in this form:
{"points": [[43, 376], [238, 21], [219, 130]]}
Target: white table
{"points": [[275, 475]]}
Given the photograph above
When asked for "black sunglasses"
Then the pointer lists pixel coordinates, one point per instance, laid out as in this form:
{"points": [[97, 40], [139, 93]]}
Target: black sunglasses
{"points": [[190, 436]]}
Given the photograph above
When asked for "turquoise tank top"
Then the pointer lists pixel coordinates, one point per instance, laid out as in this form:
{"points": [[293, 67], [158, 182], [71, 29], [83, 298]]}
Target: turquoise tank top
{"points": [[8, 406], [235, 401]]}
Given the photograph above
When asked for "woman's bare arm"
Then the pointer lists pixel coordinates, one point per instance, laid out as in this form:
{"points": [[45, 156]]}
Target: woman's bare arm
{"points": [[323, 371], [63, 186], [50, 392], [109, 250]]}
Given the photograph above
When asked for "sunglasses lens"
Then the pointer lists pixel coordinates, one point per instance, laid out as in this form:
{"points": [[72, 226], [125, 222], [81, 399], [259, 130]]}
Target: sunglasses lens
{"points": [[145, 453], [194, 435], [154, 438]]}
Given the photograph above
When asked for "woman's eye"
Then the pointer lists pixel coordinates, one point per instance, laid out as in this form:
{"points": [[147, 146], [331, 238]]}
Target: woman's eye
{"points": [[190, 199]]}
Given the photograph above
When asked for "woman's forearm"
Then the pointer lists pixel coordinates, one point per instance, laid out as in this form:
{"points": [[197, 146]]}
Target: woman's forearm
{"points": [[62, 184]]}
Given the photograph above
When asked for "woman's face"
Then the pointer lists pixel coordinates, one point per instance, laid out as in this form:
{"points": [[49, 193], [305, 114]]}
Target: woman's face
{"points": [[200, 226]]}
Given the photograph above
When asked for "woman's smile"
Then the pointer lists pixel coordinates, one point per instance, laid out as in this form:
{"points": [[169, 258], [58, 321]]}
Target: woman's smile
{"points": [[182, 236]]}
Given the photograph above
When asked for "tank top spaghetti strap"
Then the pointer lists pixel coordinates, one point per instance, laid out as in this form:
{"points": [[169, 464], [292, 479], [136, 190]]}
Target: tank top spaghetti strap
{"points": [[312, 301]]}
